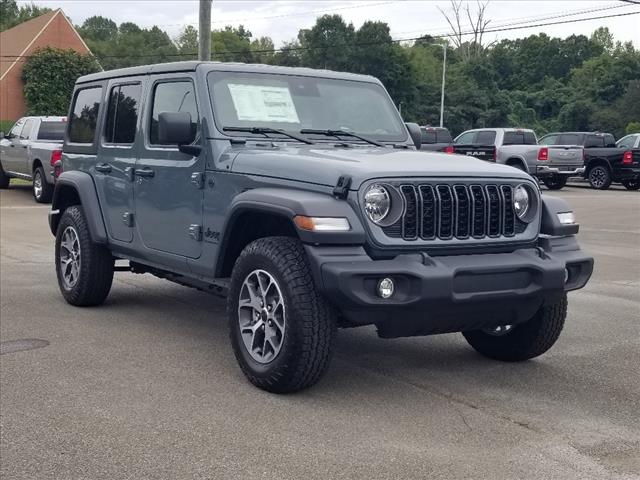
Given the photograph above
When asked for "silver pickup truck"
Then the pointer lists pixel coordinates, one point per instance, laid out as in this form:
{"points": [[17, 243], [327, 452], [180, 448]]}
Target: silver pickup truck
{"points": [[553, 164], [30, 151]]}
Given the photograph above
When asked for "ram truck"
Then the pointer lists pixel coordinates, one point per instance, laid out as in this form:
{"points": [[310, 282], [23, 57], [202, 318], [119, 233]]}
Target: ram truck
{"points": [[30, 151], [605, 161], [302, 197], [519, 148]]}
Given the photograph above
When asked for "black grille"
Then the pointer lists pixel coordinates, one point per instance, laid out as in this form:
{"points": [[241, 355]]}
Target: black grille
{"points": [[456, 211]]}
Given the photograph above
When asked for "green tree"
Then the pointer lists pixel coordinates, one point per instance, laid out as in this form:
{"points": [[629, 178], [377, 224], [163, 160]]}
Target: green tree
{"points": [[187, 41], [11, 14], [328, 43], [49, 76]]}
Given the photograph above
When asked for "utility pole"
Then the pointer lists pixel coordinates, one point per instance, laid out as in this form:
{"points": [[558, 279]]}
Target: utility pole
{"points": [[204, 34], [444, 46]]}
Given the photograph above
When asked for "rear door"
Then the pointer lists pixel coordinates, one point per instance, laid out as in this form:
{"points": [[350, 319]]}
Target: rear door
{"points": [[168, 184], [113, 169]]}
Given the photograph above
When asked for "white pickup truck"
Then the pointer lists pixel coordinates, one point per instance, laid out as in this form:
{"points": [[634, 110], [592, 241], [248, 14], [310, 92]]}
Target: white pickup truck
{"points": [[30, 151]]}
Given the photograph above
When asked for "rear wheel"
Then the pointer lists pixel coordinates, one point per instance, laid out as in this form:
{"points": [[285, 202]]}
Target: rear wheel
{"points": [[4, 179], [633, 184], [84, 268], [555, 182], [42, 191], [524, 341], [600, 177], [281, 328]]}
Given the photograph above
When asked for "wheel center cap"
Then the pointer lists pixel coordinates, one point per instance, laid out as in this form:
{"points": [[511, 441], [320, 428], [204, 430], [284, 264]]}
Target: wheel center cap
{"points": [[264, 315]]}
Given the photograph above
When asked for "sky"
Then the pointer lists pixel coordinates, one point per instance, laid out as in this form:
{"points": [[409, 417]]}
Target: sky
{"points": [[282, 19]]}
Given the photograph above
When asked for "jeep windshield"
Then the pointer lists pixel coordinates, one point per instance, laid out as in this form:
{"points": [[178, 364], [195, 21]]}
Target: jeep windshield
{"points": [[293, 103]]}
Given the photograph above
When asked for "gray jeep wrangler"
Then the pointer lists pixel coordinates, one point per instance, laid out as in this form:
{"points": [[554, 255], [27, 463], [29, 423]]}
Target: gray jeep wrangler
{"points": [[300, 196]]}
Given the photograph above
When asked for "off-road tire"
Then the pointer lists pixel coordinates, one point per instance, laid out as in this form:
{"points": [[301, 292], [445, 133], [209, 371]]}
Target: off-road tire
{"points": [[310, 321], [555, 183], [96, 263], [599, 177], [47, 189], [523, 341], [4, 179], [633, 184]]}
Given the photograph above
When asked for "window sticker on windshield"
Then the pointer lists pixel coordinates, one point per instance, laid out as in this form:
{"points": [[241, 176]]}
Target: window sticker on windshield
{"points": [[261, 103]]}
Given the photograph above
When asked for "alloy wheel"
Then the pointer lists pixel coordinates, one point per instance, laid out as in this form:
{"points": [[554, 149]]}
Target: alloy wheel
{"points": [[262, 316], [70, 257], [499, 330], [598, 177], [37, 185]]}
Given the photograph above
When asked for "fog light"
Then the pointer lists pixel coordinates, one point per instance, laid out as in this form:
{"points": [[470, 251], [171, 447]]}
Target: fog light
{"points": [[566, 218], [386, 288]]}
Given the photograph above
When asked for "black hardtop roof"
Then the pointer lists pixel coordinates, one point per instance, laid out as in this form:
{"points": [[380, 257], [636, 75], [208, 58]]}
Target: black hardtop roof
{"points": [[191, 66]]}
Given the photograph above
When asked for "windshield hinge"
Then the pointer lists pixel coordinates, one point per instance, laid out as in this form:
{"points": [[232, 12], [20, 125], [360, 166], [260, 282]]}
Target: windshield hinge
{"points": [[341, 190]]}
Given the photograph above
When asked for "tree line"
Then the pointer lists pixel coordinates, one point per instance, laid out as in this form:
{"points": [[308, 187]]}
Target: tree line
{"points": [[539, 82]]}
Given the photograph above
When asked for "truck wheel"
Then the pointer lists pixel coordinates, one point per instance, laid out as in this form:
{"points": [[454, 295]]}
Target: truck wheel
{"points": [[555, 182], [633, 184], [599, 177], [4, 179], [524, 341], [281, 328], [84, 268], [42, 191]]}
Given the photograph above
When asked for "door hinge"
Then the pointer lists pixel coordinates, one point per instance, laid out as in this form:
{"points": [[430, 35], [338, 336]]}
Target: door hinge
{"points": [[198, 180], [341, 190], [195, 232], [127, 218]]}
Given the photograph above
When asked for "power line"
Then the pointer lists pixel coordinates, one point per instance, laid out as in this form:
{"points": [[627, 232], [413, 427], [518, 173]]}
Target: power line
{"points": [[363, 44]]}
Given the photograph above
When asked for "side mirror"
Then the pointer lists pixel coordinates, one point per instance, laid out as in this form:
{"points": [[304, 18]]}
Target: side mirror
{"points": [[174, 128], [415, 133]]}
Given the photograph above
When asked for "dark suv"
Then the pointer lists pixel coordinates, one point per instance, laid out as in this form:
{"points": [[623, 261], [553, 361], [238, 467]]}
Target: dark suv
{"points": [[300, 196]]}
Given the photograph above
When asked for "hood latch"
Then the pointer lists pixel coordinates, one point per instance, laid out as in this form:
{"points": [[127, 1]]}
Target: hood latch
{"points": [[341, 190]]}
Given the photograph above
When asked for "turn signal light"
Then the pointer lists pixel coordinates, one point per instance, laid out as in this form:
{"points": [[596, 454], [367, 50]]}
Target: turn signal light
{"points": [[627, 157], [55, 156], [543, 154], [322, 224]]}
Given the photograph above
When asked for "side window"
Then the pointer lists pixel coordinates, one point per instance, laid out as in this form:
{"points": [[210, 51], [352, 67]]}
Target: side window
{"points": [[443, 136], [84, 116], [548, 140], [177, 96], [28, 128], [428, 136], [122, 115], [465, 138], [486, 137], [17, 129], [569, 139], [594, 141]]}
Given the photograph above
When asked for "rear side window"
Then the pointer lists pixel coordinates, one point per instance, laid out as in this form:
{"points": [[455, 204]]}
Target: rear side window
{"points": [[609, 140], [570, 139], [548, 140], [176, 96], [485, 137], [443, 136], [122, 115], [594, 141], [519, 138], [465, 138], [51, 131], [84, 115], [428, 136]]}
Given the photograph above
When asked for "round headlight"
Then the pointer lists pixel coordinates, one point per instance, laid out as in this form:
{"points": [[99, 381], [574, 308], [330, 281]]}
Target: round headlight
{"points": [[377, 203], [521, 201]]}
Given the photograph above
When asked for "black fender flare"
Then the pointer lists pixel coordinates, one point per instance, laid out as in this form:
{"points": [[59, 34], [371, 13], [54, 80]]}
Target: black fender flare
{"points": [[82, 184], [550, 224], [288, 203]]}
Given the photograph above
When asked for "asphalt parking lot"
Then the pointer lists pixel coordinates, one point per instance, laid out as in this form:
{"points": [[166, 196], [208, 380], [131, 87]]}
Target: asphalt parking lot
{"points": [[146, 386]]}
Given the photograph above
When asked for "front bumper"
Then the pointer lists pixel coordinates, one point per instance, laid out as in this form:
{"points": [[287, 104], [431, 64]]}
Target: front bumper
{"points": [[448, 293], [570, 171]]}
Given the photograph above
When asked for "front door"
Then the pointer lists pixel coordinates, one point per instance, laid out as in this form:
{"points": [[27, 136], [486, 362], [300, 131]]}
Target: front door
{"points": [[168, 189], [12, 148], [115, 162]]}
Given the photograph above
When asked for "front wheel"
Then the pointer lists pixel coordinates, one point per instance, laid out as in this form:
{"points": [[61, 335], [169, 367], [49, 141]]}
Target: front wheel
{"points": [[524, 341], [281, 328], [600, 177], [42, 191], [633, 184], [555, 183], [84, 268]]}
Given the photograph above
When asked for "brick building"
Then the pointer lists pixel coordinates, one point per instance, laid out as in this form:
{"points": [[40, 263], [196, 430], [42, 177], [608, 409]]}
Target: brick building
{"points": [[52, 29]]}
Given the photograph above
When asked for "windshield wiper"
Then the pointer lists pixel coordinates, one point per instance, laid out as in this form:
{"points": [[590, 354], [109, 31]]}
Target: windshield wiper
{"points": [[266, 130], [341, 133]]}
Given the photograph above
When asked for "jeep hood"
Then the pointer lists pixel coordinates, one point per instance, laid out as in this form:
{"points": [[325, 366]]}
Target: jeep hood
{"points": [[323, 165]]}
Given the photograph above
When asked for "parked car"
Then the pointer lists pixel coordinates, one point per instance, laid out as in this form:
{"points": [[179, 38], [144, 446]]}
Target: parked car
{"points": [[519, 148], [304, 201], [30, 151], [604, 160], [629, 141], [436, 139]]}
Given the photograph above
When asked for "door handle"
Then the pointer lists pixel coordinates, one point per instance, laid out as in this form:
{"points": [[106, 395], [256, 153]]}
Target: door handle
{"points": [[24, 146], [144, 172], [103, 168]]}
